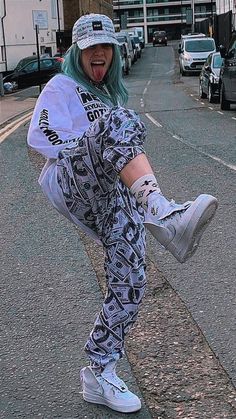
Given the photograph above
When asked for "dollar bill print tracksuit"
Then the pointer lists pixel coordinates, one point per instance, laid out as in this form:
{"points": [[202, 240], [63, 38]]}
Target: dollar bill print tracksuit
{"points": [[86, 145]]}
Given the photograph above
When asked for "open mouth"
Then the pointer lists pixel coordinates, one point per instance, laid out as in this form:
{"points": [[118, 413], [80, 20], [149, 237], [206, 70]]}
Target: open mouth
{"points": [[98, 69]]}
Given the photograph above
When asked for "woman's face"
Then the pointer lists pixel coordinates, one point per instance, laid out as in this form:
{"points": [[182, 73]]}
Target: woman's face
{"points": [[96, 60]]}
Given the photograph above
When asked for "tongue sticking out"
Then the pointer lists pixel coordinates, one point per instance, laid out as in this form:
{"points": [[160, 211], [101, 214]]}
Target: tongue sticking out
{"points": [[99, 72]]}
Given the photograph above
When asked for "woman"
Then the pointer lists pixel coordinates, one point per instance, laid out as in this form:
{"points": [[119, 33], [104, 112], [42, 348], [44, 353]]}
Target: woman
{"points": [[98, 176]]}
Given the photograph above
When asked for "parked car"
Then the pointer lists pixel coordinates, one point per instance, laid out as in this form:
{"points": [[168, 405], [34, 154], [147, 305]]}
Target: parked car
{"points": [[124, 59], [123, 36], [228, 75], [137, 45], [191, 35], [209, 77], [159, 38], [134, 49], [139, 31], [27, 74], [25, 61], [193, 52]]}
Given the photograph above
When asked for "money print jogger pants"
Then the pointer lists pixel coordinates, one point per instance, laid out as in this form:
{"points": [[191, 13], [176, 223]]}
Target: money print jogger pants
{"points": [[88, 175]]}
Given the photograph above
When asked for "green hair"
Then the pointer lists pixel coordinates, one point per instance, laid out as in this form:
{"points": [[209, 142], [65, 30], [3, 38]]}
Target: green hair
{"points": [[118, 94]]}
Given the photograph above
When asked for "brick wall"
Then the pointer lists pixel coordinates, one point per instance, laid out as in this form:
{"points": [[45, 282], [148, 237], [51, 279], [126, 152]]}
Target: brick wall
{"points": [[73, 9]]}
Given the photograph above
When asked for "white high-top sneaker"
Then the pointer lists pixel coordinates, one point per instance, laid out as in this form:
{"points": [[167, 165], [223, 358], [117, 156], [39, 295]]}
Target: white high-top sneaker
{"points": [[180, 229], [108, 389]]}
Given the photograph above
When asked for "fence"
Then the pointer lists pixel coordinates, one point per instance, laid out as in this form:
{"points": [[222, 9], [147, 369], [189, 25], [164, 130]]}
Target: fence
{"points": [[219, 27]]}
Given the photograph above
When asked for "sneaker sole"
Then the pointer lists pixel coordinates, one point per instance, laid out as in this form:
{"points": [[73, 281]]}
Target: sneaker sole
{"points": [[183, 247], [95, 398]]}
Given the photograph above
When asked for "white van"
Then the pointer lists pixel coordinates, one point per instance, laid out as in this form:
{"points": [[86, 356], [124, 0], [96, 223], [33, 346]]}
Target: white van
{"points": [[122, 37], [193, 52], [139, 33]]}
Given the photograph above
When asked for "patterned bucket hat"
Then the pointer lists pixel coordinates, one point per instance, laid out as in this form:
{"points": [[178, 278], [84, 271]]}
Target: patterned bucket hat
{"points": [[93, 29]]}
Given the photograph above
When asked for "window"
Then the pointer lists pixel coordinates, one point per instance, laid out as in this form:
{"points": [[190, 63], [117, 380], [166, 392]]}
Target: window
{"points": [[33, 66], [46, 64], [217, 61], [3, 53], [199, 45], [54, 9]]}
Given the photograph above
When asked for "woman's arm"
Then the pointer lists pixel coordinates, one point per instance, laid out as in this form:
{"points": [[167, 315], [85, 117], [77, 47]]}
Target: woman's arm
{"points": [[56, 123]]}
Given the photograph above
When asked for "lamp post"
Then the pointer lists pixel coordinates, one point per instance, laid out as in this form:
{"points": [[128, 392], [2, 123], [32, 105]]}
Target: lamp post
{"points": [[119, 14], [59, 28], [193, 17]]}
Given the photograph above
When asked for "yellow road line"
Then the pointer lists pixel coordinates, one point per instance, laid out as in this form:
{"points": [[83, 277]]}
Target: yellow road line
{"points": [[12, 126]]}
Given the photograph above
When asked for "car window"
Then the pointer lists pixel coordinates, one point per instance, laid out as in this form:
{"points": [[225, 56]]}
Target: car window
{"points": [[46, 64], [217, 61], [23, 62], [33, 66], [199, 45]]}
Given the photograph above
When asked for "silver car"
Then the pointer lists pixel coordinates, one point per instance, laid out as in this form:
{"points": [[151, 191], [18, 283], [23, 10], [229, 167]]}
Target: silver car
{"points": [[193, 52]]}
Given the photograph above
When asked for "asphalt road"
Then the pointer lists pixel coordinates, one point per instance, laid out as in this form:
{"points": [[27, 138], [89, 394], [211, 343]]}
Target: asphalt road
{"points": [[49, 298], [193, 150], [46, 308]]}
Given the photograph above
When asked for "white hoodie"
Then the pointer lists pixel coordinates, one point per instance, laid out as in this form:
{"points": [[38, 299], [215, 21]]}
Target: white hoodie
{"points": [[63, 112]]}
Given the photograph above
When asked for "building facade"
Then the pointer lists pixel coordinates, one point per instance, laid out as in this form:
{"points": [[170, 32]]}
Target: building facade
{"points": [[18, 35], [55, 19], [174, 16], [73, 9]]}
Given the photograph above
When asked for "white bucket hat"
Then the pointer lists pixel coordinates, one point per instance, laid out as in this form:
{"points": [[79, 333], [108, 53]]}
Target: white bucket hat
{"points": [[93, 29]]}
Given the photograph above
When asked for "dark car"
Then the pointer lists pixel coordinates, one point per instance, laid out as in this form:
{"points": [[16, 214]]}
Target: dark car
{"points": [[159, 38], [228, 75], [124, 58], [209, 77], [137, 45], [27, 73]]}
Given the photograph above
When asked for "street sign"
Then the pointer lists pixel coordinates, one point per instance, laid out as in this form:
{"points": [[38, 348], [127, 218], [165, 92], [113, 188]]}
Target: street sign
{"points": [[40, 18], [189, 16]]}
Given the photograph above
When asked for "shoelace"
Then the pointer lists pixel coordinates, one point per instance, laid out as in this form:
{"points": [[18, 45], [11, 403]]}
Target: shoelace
{"points": [[114, 380]]}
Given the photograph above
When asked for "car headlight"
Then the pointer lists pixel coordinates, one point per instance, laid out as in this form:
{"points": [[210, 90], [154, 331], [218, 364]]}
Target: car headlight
{"points": [[187, 57]]}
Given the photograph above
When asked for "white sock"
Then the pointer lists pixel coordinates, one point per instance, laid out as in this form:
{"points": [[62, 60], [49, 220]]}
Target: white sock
{"points": [[97, 370], [147, 187]]}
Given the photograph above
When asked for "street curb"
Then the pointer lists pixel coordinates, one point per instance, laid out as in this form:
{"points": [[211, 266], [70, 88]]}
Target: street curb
{"points": [[13, 120], [12, 126]]}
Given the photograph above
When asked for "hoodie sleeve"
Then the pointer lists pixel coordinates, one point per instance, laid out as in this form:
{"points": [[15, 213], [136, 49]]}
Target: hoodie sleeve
{"points": [[54, 125]]}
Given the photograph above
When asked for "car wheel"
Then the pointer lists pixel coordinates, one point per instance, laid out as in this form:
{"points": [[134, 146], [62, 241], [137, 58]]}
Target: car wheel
{"points": [[202, 95], [210, 94], [224, 104]]}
